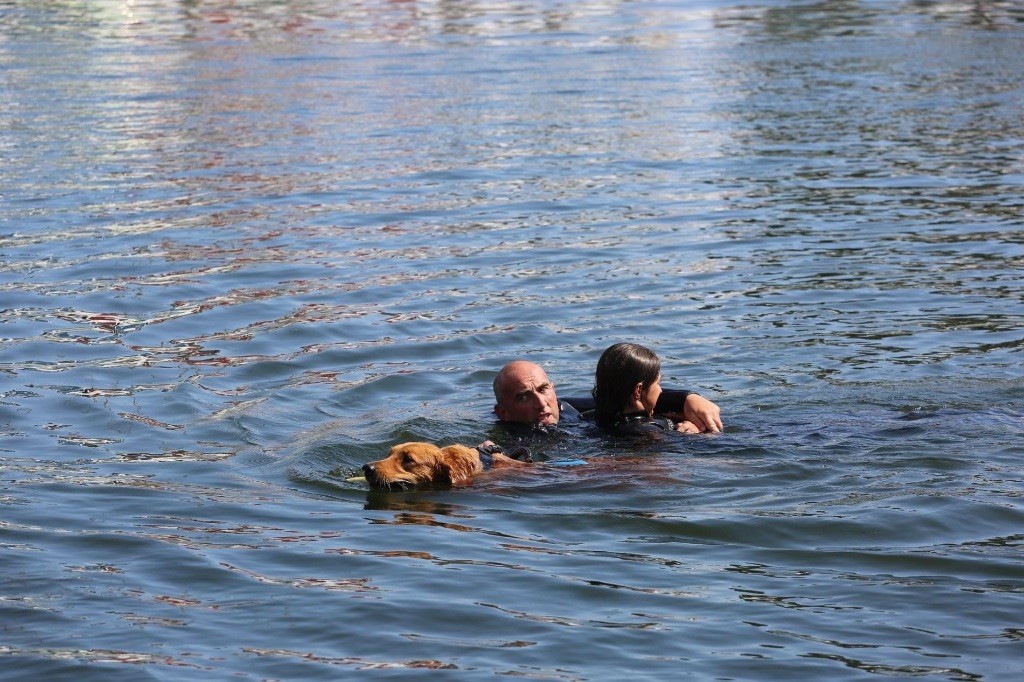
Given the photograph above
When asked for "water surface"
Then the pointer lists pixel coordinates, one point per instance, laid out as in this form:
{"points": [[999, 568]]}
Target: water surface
{"points": [[246, 247]]}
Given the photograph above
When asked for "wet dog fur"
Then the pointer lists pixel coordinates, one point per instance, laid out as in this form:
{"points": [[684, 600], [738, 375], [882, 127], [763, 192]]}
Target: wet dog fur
{"points": [[415, 464]]}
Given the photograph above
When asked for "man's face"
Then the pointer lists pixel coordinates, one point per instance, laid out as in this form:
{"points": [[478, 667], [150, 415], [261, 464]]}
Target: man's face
{"points": [[527, 396]]}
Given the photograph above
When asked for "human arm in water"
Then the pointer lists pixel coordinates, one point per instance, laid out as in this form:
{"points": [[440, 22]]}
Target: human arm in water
{"points": [[692, 413], [701, 414]]}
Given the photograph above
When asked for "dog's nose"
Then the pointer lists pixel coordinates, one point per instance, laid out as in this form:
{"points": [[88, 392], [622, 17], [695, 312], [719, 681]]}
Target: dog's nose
{"points": [[368, 470]]}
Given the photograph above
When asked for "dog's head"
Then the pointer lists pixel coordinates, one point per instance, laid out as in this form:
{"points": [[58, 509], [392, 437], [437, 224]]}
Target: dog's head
{"points": [[415, 464]]}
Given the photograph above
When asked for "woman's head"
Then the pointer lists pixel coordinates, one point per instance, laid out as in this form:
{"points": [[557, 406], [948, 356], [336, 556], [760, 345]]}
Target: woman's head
{"points": [[626, 373]]}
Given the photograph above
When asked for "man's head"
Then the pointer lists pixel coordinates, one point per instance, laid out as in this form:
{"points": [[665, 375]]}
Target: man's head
{"points": [[525, 395]]}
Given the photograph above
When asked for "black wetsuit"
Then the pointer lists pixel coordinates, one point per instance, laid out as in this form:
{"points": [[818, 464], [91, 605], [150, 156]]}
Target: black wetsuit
{"points": [[670, 401], [639, 424]]}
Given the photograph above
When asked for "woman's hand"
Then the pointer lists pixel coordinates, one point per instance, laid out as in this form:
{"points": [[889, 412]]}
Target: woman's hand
{"points": [[687, 427], [703, 414]]}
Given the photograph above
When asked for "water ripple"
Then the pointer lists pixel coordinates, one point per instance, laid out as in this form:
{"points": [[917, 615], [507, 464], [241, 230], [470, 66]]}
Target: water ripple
{"points": [[246, 248]]}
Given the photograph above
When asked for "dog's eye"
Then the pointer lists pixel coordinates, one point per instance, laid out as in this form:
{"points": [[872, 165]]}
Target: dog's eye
{"points": [[407, 460]]}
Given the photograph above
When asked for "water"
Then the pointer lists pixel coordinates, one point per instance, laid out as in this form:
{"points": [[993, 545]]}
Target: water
{"points": [[246, 247]]}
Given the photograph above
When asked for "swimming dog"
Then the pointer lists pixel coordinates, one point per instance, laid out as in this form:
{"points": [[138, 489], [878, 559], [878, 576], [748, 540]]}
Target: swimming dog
{"points": [[420, 464]]}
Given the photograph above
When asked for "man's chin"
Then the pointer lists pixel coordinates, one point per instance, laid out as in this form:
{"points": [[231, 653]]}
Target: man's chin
{"points": [[549, 420]]}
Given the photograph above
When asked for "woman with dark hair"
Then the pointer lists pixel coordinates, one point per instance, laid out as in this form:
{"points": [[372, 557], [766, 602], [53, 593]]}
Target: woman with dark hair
{"points": [[627, 384]]}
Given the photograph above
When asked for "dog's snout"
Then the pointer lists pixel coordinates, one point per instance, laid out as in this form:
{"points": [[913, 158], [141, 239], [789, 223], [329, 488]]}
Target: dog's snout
{"points": [[368, 469]]}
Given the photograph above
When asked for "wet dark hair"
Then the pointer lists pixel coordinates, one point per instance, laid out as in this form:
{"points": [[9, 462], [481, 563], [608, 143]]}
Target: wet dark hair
{"points": [[619, 369]]}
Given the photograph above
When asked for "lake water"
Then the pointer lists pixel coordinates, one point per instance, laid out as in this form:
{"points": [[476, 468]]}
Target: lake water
{"points": [[247, 246]]}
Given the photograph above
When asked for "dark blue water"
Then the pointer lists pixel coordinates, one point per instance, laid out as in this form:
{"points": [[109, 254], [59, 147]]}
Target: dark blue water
{"points": [[246, 247]]}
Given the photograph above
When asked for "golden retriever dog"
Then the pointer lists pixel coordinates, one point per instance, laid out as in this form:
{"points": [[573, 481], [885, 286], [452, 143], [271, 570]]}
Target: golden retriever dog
{"points": [[409, 465]]}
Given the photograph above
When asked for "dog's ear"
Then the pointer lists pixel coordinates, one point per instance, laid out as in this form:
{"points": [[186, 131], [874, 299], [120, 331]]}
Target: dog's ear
{"points": [[457, 463]]}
